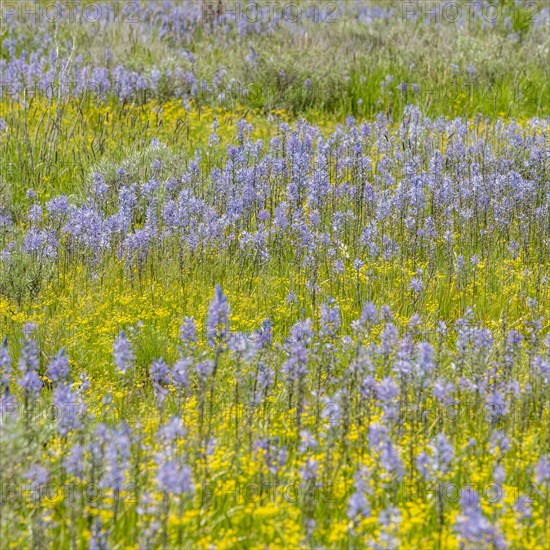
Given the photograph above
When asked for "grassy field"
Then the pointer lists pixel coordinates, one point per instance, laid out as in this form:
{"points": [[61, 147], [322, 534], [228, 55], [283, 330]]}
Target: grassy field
{"points": [[276, 278]]}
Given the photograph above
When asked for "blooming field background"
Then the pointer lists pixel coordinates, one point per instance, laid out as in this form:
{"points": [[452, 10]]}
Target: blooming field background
{"points": [[274, 275]]}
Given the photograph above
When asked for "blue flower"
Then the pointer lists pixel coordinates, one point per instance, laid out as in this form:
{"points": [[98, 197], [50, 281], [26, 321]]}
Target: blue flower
{"points": [[122, 354]]}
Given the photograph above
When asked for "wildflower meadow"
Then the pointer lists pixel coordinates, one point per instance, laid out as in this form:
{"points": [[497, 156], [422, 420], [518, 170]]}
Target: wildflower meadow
{"points": [[275, 275]]}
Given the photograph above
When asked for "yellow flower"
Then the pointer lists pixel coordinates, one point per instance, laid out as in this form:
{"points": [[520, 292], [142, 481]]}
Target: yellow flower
{"points": [[266, 512]]}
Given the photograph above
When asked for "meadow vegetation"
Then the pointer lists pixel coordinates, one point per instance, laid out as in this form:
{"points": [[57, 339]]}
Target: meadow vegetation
{"points": [[275, 280]]}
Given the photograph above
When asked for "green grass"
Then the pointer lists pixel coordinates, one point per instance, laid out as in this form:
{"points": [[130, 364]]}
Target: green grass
{"points": [[80, 303]]}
